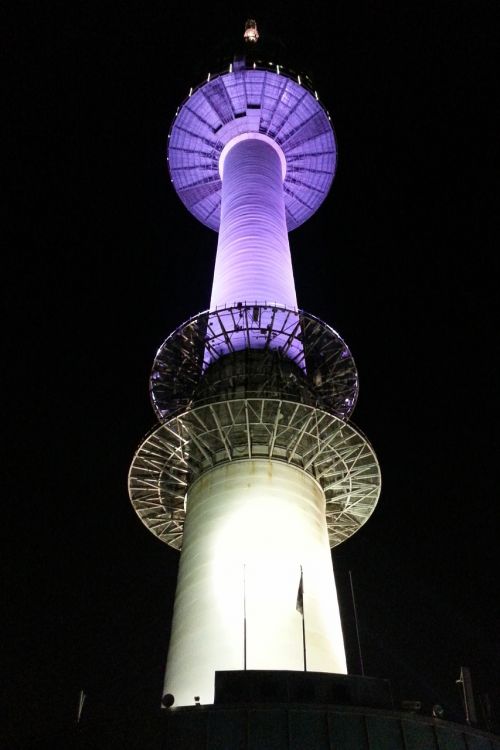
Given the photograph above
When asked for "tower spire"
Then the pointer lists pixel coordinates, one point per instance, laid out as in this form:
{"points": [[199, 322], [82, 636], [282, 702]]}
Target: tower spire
{"points": [[251, 35]]}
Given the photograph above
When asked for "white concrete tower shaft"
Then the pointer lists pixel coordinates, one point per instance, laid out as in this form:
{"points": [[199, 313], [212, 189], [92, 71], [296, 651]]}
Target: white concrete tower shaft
{"points": [[250, 526]]}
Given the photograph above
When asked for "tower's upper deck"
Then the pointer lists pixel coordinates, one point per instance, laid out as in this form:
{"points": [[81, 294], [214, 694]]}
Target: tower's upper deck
{"points": [[252, 97]]}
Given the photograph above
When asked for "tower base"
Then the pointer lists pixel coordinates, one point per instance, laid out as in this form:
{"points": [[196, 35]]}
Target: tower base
{"points": [[310, 711]]}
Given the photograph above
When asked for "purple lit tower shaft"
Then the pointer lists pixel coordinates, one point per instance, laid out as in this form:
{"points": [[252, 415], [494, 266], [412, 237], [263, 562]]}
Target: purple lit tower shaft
{"points": [[253, 261]]}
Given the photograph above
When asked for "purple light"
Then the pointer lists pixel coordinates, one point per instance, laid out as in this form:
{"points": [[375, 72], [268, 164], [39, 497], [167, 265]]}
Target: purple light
{"points": [[252, 154], [253, 264], [265, 328], [253, 254], [252, 101]]}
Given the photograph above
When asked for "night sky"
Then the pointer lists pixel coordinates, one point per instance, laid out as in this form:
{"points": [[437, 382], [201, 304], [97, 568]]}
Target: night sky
{"points": [[101, 262]]}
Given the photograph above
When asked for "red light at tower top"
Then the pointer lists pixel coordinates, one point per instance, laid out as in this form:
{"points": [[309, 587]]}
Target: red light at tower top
{"points": [[251, 34], [255, 470]]}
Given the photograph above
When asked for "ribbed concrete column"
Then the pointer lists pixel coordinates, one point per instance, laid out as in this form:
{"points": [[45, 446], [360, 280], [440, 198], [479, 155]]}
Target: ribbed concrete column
{"points": [[253, 261], [250, 525]]}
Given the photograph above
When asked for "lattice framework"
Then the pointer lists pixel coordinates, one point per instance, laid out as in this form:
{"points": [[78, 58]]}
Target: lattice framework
{"points": [[336, 454], [318, 350]]}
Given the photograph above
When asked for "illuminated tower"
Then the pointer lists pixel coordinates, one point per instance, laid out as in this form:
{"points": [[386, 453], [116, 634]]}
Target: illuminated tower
{"points": [[255, 470]]}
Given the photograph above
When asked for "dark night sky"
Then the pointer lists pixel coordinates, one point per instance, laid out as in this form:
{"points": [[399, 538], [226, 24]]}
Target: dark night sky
{"points": [[101, 262]]}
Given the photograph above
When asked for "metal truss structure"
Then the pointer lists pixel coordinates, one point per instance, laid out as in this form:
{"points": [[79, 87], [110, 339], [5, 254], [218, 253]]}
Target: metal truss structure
{"points": [[336, 454], [322, 359]]}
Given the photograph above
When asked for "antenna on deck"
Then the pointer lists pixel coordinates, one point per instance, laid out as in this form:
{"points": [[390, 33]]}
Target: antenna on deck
{"points": [[81, 701], [465, 680], [357, 627]]}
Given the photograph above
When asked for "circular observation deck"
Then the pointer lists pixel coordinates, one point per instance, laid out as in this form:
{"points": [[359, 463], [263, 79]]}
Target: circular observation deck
{"points": [[322, 358], [260, 98], [177, 452]]}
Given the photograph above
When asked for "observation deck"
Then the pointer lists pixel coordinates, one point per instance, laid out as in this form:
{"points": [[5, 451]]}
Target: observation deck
{"points": [[259, 98], [320, 355], [332, 451]]}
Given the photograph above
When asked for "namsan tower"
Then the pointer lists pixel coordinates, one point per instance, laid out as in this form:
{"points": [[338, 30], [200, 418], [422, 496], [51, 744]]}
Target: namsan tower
{"points": [[255, 470]]}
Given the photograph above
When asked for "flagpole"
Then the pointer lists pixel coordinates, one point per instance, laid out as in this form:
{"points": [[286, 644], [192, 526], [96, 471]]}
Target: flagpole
{"points": [[81, 701], [244, 618], [299, 606], [303, 620], [357, 627]]}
